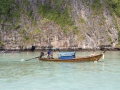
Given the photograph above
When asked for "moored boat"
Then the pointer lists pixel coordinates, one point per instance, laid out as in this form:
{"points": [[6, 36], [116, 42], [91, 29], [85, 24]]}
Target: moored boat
{"points": [[73, 59]]}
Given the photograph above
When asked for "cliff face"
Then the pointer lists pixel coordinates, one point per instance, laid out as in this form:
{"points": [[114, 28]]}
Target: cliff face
{"points": [[98, 27], [59, 24]]}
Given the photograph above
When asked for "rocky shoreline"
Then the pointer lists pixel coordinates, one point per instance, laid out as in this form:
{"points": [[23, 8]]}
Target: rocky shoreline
{"points": [[67, 49]]}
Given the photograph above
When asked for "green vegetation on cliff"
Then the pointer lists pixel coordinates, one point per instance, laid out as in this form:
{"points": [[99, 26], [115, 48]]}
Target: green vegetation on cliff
{"points": [[9, 11], [53, 10], [97, 7], [115, 6], [5, 6], [60, 17]]}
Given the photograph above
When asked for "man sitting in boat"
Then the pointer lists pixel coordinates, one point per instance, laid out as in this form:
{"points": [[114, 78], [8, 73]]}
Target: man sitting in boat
{"points": [[94, 53], [51, 55]]}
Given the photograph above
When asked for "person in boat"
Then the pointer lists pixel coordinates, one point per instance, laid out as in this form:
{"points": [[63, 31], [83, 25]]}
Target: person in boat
{"points": [[74, 56], [41, 54], [94, 53], [49, 53]]}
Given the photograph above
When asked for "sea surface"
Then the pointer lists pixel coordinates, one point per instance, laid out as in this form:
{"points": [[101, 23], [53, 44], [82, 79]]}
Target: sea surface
{"points": [[18, 74]]}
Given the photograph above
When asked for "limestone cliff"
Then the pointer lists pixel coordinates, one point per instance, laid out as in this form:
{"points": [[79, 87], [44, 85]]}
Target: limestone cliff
{"points": [[59, 24]]}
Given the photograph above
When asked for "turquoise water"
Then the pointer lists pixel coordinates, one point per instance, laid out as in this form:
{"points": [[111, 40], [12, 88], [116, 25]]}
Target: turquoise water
{"points": [[18, 74]]}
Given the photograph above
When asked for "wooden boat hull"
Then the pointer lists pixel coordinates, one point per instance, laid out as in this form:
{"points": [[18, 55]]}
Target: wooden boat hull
{"points": [[88, 58]]}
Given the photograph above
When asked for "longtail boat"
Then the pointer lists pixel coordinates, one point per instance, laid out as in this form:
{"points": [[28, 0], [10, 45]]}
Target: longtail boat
{"points": [[87, 58]]}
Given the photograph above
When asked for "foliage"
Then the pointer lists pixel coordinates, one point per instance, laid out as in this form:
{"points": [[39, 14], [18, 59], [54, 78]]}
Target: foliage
{"points": [[75, 30], [25, 37], [119, 37], [36, 31], [96, 6], [9, 10], [115, 6], [21, 31], [1, 43], [65, 30], [5, 6], [117, 9], [26, 2], [29, 13], [17, 27], [60, 17], [82, 20]]}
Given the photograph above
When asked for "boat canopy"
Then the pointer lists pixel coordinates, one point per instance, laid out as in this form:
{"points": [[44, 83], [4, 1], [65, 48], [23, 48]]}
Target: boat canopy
{"points": [[66, 55]]}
